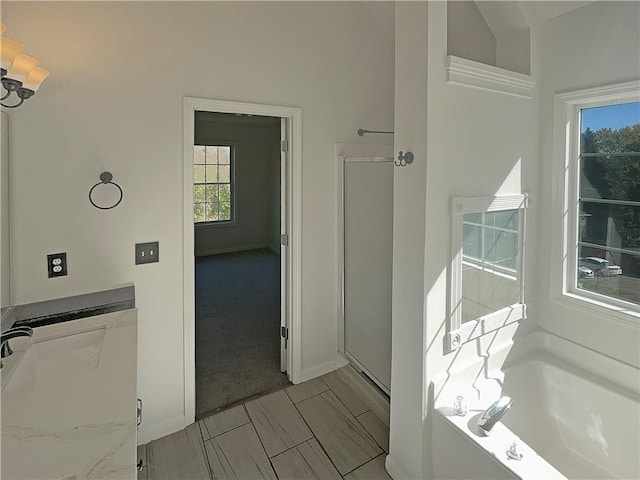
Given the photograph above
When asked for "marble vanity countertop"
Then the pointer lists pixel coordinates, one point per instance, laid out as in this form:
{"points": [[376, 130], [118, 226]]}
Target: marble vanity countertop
{"points": [[69, 401]]}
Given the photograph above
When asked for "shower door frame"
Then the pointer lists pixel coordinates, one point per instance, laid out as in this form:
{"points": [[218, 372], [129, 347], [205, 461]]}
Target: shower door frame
{"points": [[343, 152]]}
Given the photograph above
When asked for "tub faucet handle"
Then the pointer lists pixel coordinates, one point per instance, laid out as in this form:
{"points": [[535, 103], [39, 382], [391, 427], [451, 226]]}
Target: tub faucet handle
{"points": [[459, 406], [513, 452]]}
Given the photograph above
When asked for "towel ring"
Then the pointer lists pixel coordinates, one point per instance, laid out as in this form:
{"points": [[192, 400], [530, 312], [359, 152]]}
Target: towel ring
{"points": [[105, 179]]}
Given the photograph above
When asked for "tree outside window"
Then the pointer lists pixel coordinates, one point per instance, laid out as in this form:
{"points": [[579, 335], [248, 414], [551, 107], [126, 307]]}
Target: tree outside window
{"points": [[609, 202]]}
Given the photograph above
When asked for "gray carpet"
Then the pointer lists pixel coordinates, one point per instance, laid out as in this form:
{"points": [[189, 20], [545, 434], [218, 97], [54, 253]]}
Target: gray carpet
{"points": [[237, 327]]}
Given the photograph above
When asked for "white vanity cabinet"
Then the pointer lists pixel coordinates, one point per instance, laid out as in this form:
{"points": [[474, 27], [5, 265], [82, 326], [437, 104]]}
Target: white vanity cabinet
{"points": [[69, 405]]}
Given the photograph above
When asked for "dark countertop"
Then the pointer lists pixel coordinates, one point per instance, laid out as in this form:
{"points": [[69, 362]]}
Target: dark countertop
{"points": [[66, 309]]}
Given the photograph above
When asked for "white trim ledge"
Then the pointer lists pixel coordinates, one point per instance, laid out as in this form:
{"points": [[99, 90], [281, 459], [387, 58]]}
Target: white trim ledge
{"points": [[603, 93], [489, 323], [461, 71], [600, 309]]}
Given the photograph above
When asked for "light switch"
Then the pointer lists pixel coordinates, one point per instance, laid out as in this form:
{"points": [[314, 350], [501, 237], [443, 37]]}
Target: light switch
{"points": [[147, 253]]}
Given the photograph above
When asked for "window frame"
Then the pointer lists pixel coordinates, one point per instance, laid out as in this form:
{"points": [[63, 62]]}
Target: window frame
{"points": [[459, 332], [232, 184], [566, 154]]}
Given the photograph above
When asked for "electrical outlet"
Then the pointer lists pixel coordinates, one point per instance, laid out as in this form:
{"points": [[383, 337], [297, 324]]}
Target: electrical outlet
{"points": [[147, 253], [57, 264]]}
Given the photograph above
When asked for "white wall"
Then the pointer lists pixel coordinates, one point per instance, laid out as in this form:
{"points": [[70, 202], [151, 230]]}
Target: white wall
{"points": [[467, 142], [596, 45], [468, 34], [409, 183], [119, 71], [257, 168]]}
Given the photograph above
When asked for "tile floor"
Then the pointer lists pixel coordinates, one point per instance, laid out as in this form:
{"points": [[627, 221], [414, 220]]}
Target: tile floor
{"points": [[319, 429]]}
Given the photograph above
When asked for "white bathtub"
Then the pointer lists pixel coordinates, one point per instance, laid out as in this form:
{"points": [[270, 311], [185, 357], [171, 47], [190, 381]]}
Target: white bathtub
{"points": [[571, 423]]}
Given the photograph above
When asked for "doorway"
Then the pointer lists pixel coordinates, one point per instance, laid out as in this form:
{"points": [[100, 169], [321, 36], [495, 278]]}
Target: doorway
{"points": [[241, 263]]}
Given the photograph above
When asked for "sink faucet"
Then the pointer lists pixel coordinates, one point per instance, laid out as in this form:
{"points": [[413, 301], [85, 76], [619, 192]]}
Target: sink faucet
{"points": [[493, 414], [15, 332]]}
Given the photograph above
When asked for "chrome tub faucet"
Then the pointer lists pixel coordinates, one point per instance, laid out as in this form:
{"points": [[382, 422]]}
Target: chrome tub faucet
{"points": [[493, 414]]}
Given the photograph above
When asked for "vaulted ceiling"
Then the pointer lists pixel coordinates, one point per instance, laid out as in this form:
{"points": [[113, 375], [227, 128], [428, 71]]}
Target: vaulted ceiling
{"points": [[546, 10]]}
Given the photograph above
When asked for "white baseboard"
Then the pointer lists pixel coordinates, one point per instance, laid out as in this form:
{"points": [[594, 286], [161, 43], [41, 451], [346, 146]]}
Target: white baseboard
{"points": [[319, 370], [161, 429], [376, 401], [394, 470], [218, 251], [342, 361]]}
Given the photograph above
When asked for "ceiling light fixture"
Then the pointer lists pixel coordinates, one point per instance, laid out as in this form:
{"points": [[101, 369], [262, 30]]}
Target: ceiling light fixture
{"points": [[20, 73]]}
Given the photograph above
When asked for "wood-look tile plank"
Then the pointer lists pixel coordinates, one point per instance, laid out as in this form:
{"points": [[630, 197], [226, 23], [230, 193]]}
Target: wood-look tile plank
{"points": [[346, 442], [373, 470], [378, 430], [306, 461], [178, 456], [291, 465], [307, 389], [318, 460], [345, 394], [278, 423], [142, 455], [224, 421], [238, 454]]}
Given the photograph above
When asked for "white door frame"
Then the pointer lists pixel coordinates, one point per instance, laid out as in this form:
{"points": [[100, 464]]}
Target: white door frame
{"points": [[293, 187], [285, 161]]}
